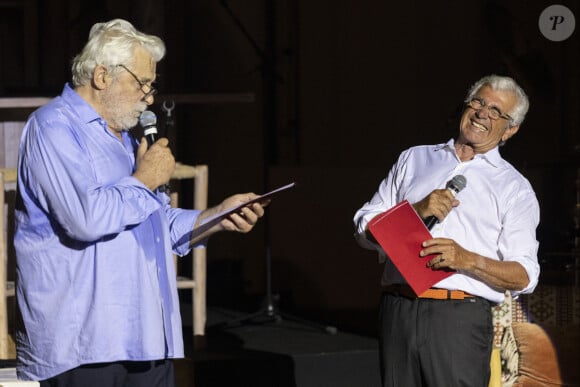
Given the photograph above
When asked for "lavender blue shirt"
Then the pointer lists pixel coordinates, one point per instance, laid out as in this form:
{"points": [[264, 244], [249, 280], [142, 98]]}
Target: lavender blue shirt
{"points": [[95, 273]]}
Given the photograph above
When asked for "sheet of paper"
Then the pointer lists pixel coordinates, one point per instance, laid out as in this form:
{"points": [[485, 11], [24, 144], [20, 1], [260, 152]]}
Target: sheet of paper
{"points": [[400, 232], [213, 220]]}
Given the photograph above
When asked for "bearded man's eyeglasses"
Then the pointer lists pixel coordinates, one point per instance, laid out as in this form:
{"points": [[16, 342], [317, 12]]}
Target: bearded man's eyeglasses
{"points": [[146, 88]]}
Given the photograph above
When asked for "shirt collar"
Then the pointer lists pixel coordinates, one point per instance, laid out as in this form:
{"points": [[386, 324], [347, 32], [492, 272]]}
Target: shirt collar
{"points": [[492, 156], [82, 107]]}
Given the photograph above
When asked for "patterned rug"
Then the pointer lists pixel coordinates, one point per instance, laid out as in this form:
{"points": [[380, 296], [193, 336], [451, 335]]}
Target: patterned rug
{"points": [[552, 305]]}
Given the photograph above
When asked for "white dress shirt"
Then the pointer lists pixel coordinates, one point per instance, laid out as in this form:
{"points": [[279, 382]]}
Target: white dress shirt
{"points": [[497, 216]]}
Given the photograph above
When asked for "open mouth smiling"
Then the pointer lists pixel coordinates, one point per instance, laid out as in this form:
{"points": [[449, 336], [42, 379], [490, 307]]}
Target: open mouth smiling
{"points": [[479, 126]]}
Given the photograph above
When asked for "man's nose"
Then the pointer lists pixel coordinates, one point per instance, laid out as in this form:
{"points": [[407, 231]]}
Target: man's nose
{"points": [[483, 112], [149, 100]]}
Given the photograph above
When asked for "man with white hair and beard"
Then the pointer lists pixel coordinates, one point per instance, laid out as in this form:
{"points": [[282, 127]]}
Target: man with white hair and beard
{"points": [[95, 237]]}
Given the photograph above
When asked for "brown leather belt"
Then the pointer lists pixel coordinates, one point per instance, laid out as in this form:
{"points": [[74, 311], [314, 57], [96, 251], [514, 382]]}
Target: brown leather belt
{"points": [[433, 293]]}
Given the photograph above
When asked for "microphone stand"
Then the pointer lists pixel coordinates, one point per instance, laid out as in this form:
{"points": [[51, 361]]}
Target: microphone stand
{"points": [[269, 311]]}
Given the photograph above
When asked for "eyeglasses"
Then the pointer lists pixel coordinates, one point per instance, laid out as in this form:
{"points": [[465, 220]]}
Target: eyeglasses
{"points": [[493, 112], [151, 91]]}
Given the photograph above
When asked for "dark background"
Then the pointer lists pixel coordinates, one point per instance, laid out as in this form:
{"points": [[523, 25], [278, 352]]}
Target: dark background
{"points": [[326, 94]]}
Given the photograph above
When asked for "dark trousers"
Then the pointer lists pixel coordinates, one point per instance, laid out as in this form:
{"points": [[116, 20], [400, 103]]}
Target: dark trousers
{"points": [[435, 343], [159, 373]]}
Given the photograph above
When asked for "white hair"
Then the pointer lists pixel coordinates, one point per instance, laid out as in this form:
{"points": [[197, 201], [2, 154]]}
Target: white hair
{"points": [[503, 83], [110, 44]]}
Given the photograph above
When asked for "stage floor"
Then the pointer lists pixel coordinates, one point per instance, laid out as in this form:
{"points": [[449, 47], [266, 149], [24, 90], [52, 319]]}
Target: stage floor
{"points": [[281, 352]]}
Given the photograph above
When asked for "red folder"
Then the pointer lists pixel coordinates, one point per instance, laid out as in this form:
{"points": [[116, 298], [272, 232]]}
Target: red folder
{"points": [[400, 232]]}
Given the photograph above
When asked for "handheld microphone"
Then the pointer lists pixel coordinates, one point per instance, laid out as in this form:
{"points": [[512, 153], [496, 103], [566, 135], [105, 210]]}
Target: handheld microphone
{"points": [[148, 121], [456, 184]]}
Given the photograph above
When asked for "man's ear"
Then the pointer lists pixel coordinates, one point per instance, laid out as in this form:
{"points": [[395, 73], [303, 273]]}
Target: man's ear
{"points": [[509, 132], [101, 77]]}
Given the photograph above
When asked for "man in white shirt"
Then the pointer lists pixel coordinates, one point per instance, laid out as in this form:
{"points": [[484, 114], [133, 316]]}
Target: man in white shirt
{"points": [[486, 235]]}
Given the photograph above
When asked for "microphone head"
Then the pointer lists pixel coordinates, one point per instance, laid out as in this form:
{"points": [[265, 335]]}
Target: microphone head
{"points": [[457, 183], [148, 119]]}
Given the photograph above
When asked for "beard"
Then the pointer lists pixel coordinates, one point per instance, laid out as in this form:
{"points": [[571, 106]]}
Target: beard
{"points": [[121, 112]]}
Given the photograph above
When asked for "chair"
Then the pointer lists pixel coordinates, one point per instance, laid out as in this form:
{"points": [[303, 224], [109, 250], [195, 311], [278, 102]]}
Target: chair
{"points": [[7, 348], [197, 282]]}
